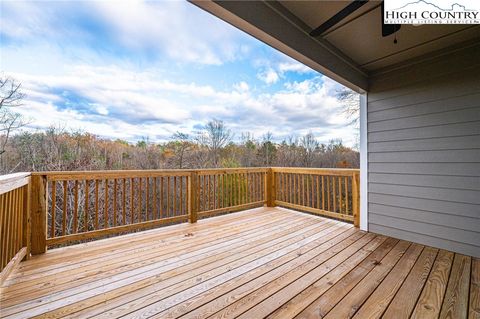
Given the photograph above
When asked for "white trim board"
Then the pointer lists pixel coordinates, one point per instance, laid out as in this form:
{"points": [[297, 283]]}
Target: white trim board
{"points": [[363, 163]]}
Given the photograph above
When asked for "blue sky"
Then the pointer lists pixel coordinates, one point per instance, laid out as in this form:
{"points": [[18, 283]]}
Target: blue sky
{"points": [[136, 69]]}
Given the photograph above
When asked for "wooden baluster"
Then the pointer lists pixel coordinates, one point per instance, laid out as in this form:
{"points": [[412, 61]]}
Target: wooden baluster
{"points": [[339, 194], [27, 238], [254, 187], [6, 231], [140, 195], [54, 204], [299, 185], [124, 201], [313, 191], [328, 193], [261, 187], [105, 210], [219, 191], [115, 202], [247, 185], [356, 199], [132, 200], [3, 240], [85, 217], [229, 189], [214, 191], [96, 204], [175, 196], [64, 212], [162, 202], [346, 196], [308, 190], [293, 190], [12, 224], [181, 195], [75, 208], [323, 193], [16, 211], [333, 194], [155, 213], [168, 197], [245, 188], [147, 199], [304, 192], [209, 192], [318, 191], [240, 188], [258, 184], [203, 204]]}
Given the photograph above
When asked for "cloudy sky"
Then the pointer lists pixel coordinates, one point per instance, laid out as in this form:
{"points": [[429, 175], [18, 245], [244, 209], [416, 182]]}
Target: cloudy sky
{"points": [[137, 69]]}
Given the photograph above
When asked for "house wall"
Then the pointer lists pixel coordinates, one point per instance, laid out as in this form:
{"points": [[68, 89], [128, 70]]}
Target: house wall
{"points": [[424, 152]]}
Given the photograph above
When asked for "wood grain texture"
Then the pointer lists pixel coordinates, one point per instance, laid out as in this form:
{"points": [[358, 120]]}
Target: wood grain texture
{"points": [[430, 301], [474, 303], [404, 302], [263, 262], [455, 303]]}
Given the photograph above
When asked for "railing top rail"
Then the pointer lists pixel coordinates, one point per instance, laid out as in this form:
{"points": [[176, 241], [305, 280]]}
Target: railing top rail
{"points": [[323, 171], [12, 181], [72, 175], [14, 176]]}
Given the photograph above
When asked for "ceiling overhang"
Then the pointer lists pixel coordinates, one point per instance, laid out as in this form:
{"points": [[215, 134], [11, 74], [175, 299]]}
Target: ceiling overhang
{"points": [[350, 51]]}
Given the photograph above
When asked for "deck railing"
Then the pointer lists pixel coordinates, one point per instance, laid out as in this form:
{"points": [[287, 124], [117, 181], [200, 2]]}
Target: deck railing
{"points": [[14, 221], [328, 192], [44, 209]]}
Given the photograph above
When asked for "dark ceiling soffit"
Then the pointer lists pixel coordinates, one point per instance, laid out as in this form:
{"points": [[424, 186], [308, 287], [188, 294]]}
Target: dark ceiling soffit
{"points": [[342, 14]]}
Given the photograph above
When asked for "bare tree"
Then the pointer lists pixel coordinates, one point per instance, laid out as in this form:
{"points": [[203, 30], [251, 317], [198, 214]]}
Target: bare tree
{"points": [[11, 96], [309, 144], [351, 104], [215, 136], [181, 145]]}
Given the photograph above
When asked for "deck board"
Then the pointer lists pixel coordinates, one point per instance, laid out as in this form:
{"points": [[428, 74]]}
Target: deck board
{"points": [[265, 262]]}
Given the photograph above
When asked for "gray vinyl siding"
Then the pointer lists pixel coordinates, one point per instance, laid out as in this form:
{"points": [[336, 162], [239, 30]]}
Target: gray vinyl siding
{"points": [[424, 152]]}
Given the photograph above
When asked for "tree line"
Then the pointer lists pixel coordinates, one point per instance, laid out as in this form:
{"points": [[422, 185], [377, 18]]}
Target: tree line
{"points": [[59, 150], [211, 147]]}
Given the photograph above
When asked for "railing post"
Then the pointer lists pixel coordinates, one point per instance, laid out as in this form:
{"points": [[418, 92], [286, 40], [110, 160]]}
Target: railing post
{"points": [[26, 240], [38, 214], [192, 197], [270, 188], [356, 199]]}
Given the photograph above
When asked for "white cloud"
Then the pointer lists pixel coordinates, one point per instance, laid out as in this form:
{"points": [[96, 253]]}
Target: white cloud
{"points": [[268, 76], [293, 66], [176, 29], [112, 96], [127, 104], [242, 86]]}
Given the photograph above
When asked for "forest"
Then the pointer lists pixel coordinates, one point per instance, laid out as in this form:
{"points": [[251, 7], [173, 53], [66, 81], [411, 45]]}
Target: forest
{"points": [[213, 146], [59, 150]]}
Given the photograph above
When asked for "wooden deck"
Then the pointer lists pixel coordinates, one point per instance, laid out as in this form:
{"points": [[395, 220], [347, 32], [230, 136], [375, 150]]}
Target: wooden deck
{"points": [[266, 262]]}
